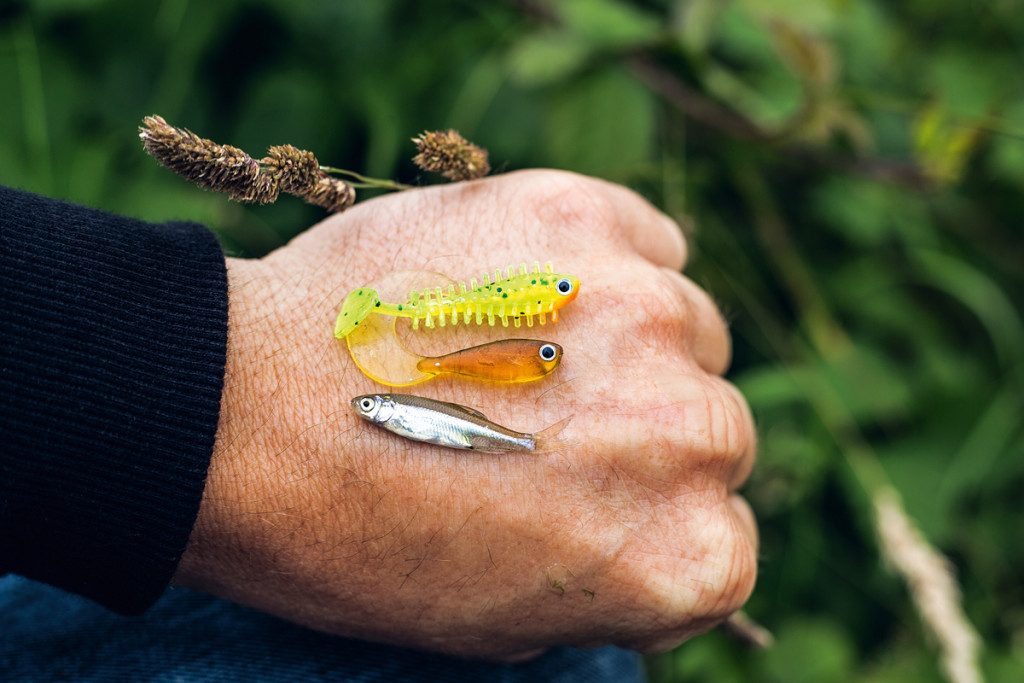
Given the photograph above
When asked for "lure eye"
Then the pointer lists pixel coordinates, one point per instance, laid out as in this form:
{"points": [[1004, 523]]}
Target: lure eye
{"points": [[548, 352], [366, 404], [564, 286]]}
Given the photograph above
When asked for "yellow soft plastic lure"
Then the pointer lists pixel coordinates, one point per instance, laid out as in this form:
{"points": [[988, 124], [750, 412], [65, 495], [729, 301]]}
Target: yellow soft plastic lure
{"points": [[516, 296]]}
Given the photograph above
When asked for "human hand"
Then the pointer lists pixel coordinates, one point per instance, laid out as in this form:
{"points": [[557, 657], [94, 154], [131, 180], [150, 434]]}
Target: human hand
{"points": [[629, 532]]}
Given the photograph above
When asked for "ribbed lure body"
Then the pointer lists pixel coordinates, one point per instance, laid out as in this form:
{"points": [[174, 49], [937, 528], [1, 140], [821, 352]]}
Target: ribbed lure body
{"points": [[514, 296]]}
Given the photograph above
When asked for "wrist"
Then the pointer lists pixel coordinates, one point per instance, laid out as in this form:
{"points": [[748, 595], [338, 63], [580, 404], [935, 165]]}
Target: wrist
{"points": [[217, 549], [272, 489]]}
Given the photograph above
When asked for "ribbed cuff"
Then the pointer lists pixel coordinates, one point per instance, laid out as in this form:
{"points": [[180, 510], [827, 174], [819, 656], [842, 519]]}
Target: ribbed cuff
{"points": [[112, 353]]}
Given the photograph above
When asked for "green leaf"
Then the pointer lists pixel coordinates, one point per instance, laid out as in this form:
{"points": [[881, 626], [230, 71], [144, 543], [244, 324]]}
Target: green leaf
{"points": [[602, 124], [942, 146], [859, 383], [810, 15], [767, 386], [477, 93], [915, 467], [867, 42], [809, 651], [697, 24], [608, 23], [762, 87], [1007, 145], [1007, 159], [972, 82], [982, 295], [546, 58], [792, 464], [869, 214], [868, 384], [1003, 665], [992, 436], [709, 657], [57, 7]]}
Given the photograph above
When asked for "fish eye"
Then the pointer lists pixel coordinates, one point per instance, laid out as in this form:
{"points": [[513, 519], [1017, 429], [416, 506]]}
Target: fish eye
{"points": [[366, 404], [548, 352], [564, 286]]}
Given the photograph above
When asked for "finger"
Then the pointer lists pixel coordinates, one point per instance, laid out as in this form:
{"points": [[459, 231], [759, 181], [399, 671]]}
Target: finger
{"points": [[731, 433], [745, 516], [654, 235], [693, 422], [707, 335], [745, 464], [660, 241], [727, 575]]}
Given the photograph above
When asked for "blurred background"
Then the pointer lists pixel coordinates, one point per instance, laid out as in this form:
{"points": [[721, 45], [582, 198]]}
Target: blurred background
{"points": [[849, 174]]}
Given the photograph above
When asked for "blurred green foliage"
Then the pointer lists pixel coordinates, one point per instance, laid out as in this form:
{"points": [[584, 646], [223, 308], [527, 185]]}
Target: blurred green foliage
{"points": [[850, 173]]}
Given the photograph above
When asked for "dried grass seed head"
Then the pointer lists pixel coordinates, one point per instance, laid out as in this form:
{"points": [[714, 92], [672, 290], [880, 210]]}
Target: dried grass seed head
{"points": [[296, 170], [221, 168], [451, 155], [331, 194]]}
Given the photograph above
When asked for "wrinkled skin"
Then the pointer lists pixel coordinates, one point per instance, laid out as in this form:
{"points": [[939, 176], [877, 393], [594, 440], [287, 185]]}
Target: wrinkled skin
{"points": [[626, 530]]}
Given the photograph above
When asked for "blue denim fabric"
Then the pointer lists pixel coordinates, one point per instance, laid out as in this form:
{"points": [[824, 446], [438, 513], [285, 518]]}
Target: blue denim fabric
{"points": [[49, 635]]}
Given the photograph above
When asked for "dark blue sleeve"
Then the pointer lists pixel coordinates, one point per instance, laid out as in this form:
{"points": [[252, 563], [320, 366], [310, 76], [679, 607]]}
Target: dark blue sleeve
{"points": [[113, 336]]}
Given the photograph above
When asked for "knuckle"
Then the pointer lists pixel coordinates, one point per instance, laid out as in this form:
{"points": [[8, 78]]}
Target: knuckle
{"points": [[700, 429], [678, 592], [666, 313], [731, 568], [644, 309], [569, 200], [717, 424]]}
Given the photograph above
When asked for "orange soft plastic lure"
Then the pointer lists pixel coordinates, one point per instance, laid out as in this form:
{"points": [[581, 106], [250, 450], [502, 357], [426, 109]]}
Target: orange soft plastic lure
{"points": [[377, 350], [515, 296], [505, 360]]}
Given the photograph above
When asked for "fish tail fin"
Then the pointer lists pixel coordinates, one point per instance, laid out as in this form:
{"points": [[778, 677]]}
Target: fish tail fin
{"points": [[550, 439]]}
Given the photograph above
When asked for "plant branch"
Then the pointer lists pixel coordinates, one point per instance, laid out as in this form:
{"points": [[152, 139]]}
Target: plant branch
{"points": [[713, 114], [365, 181]]}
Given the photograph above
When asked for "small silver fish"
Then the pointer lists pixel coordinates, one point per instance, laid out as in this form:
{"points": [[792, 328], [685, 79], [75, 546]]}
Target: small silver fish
{"points": [[442, 423]]}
